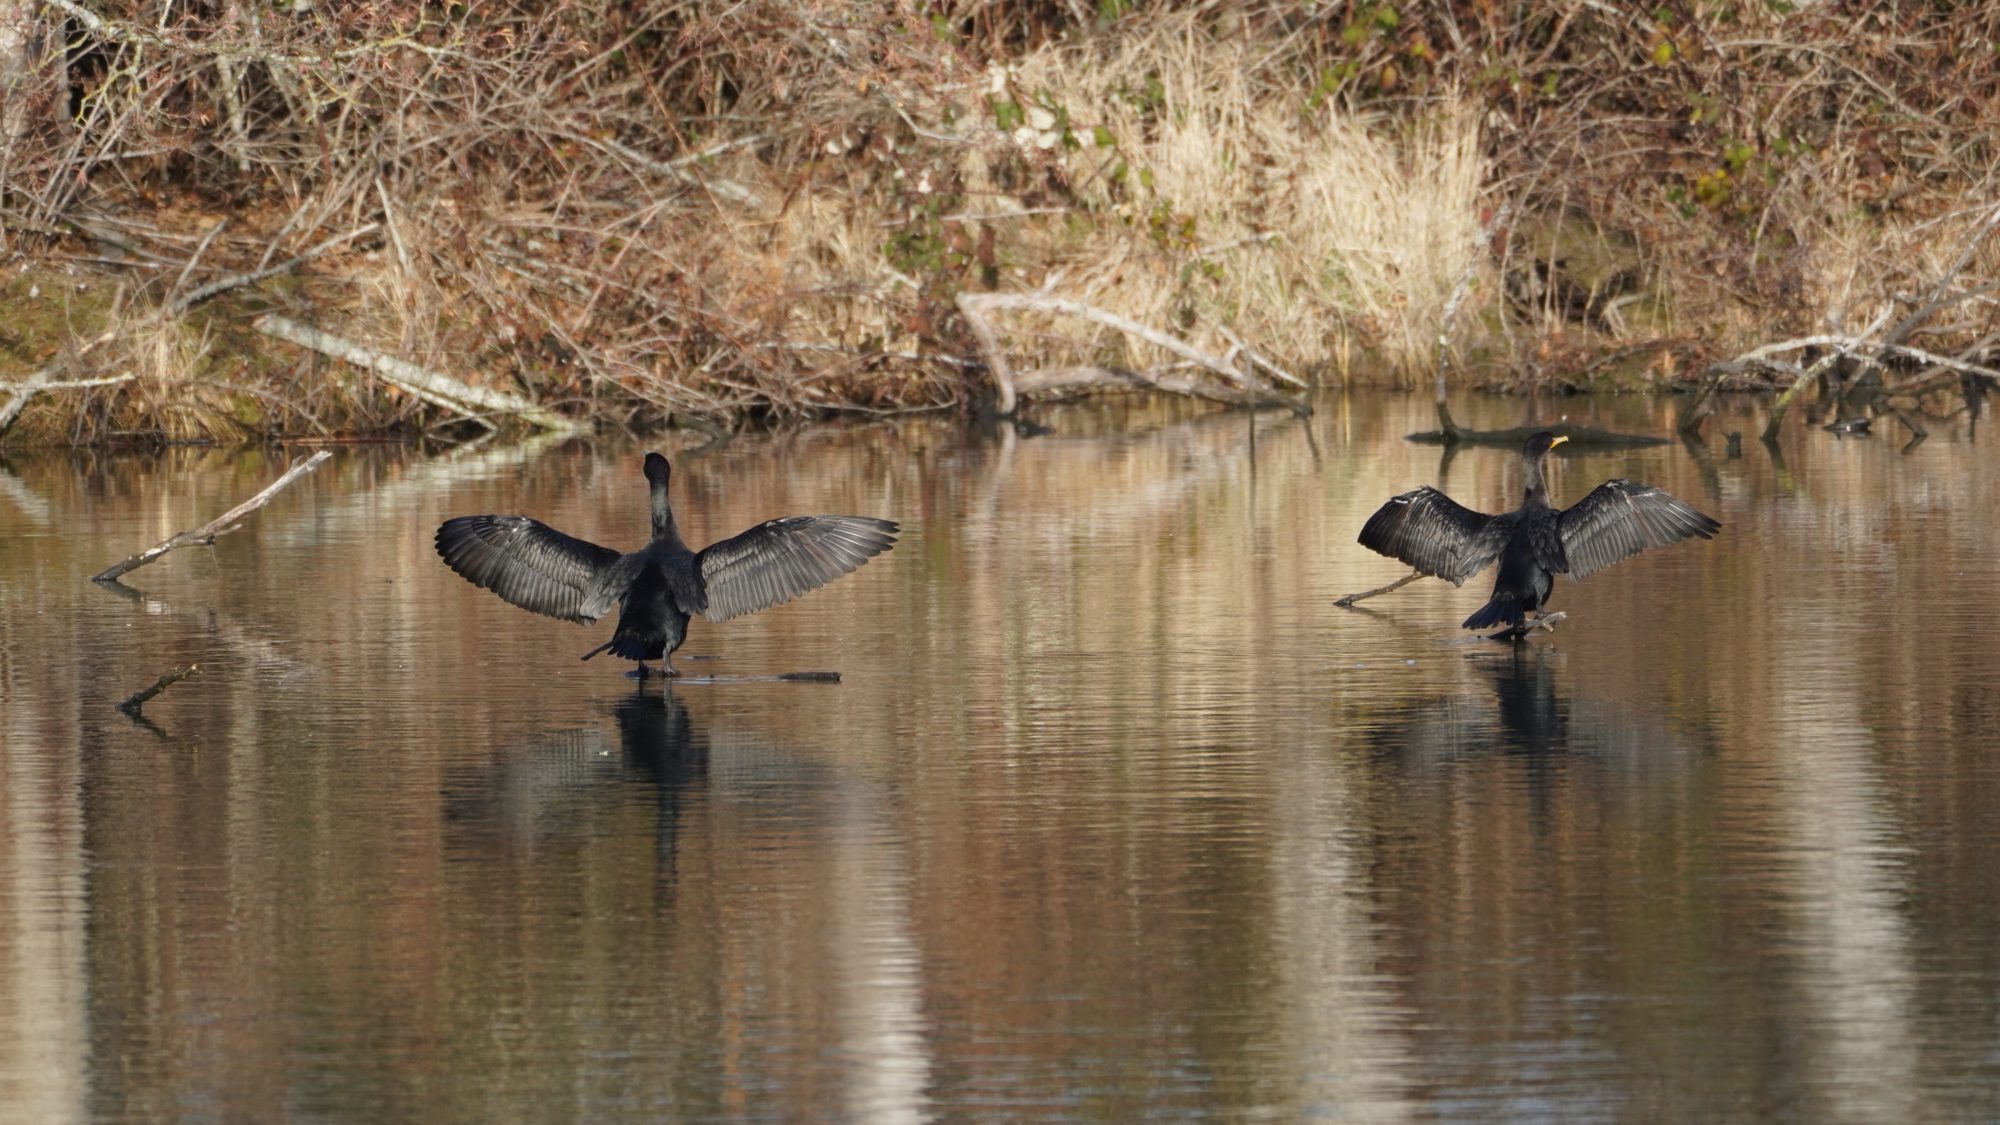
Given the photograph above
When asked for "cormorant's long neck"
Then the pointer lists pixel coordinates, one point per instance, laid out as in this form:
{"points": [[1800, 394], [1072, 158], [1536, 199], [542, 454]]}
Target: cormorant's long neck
{"points": [[663, 515], [1537, 490]]}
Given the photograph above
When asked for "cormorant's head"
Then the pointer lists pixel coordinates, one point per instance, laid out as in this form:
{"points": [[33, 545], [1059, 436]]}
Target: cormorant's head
{"points": [[656, 469], [1539, 444]]}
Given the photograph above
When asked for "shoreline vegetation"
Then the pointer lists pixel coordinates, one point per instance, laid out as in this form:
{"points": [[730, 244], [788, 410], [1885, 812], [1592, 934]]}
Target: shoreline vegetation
{"points": [[234, 223]]}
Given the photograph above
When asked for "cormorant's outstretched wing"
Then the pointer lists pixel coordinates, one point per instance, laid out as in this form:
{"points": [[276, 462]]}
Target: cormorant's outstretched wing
{"points": [[780, 559], [1619, 519], [528, 563], [1436, 534]]}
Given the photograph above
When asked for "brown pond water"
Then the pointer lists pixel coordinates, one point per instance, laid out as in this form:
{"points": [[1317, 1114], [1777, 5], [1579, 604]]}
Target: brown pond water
{"points": [[1113, 815]]}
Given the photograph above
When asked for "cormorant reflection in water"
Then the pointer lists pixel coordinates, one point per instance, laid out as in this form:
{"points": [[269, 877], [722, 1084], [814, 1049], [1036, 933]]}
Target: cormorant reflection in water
{"points": [[570, 784], [1529, 715], [659, 741]]}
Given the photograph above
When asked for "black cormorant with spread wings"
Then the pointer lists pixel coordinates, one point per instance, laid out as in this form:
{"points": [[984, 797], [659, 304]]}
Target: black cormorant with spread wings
{"points": [[1534, 542], [663, 583]]}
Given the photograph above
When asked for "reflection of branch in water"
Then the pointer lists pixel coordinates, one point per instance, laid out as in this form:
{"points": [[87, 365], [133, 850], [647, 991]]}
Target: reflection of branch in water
{"points": [[31, 503], [423, 481], [1711, 480], [1162, 493], [254, 650]]}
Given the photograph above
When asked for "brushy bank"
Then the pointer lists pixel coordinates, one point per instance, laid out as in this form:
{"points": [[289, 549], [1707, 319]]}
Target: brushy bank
{"points": [[671, 211]]}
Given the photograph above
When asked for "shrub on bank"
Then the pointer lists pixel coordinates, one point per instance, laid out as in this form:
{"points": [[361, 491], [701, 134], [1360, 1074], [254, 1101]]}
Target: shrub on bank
{"points": [[654, 212]]}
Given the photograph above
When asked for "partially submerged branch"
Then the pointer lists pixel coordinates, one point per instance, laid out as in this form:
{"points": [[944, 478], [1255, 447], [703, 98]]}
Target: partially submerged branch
{"points": [[221, 525], [1391, 588], [1791, 393], [132, 703]]}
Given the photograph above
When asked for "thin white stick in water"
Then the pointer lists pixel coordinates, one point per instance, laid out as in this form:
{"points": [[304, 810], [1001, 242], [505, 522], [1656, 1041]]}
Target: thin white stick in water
{"points": [[220, 525]]}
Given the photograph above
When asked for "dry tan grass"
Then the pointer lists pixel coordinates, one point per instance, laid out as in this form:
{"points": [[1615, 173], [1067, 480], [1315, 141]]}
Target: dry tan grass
{"points": [[1303, 230], [676, 211], [1308, 233]]}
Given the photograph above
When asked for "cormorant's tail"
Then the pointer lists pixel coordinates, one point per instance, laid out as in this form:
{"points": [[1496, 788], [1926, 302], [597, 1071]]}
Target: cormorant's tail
{"points": [[625, 647], [1502, 610]]}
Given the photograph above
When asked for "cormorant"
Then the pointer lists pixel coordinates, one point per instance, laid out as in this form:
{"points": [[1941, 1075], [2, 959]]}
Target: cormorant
{"points": [[538, 568], [1534, 542]]}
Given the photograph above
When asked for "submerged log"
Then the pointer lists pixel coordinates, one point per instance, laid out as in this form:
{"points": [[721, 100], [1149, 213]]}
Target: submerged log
{"points": [[781, 677], [1577, 435]]}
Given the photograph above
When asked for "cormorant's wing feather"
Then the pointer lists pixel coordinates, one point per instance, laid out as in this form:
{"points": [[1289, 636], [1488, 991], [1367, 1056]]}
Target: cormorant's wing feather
{"points": [[527, 562], [780, 559], [1436, 534], [1619, 519]]}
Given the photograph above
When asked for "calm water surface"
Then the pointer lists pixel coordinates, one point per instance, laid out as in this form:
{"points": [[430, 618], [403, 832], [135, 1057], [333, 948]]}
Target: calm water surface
{"points": [[1114, 814]]}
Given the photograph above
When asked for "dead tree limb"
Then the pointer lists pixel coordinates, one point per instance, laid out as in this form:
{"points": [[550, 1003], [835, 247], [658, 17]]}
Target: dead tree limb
{"points": [[205, 535], [977, 306], [1937, 298], [137, 700], [44, 379], [1263, 361], [1846, 346], [430, 386]]}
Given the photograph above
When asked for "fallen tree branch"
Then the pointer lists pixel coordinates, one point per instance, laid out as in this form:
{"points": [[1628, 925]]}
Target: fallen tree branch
{"points": [[430, 386], [976, 306], [194, 259], [678, 168], [1937, 299], [132, 703], [44, 379], [221, 525], [1086, 376], [1258, 358]]}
